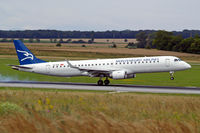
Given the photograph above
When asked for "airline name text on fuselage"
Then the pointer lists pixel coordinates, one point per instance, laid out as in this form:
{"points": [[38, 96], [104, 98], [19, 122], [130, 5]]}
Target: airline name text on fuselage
{"points": [[137, 60]]}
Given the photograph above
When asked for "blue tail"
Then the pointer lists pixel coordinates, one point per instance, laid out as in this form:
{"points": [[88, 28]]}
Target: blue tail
{"points": [[24, 54]]}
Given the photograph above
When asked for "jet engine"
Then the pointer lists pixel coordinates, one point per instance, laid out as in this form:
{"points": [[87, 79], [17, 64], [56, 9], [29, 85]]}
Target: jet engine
{"points": [[121, 75]]}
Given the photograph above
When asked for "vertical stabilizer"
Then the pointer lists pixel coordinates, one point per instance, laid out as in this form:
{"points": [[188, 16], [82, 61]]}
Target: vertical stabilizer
{"points": [[24, 54]]}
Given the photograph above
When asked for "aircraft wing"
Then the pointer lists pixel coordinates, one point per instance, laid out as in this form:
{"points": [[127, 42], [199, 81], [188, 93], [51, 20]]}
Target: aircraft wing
{"points": [[92, 72]]}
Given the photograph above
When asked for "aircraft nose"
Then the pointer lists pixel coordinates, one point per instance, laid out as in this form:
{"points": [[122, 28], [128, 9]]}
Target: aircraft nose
{"points": [[188, 66]]}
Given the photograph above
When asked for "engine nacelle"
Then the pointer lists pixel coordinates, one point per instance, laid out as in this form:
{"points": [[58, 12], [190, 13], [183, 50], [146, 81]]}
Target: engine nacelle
{"points": [[121, 75]]}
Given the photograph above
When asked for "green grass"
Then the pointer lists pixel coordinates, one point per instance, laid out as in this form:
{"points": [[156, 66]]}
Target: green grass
{"points": [[182, 78], [63, 112]]}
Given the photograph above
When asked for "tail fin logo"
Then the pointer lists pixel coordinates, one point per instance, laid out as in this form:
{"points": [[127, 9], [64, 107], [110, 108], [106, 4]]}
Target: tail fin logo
{"points": [[26, 54]]}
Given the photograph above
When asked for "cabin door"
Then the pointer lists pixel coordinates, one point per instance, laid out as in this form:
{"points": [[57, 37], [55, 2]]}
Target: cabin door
{"points": [[167, 62]]}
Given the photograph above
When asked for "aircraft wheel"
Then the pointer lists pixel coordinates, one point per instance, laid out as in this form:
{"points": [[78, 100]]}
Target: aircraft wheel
{"points": [[171, 75], [100, 82], [106, 82]]}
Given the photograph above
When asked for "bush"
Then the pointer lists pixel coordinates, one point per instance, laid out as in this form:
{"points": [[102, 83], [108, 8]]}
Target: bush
{"points": [[131, 45], [113, 45], [79, 41], [90, 41], [83, 46], [9, 108], [55, 40], [68, 40], [58, 45], [148, 46]]}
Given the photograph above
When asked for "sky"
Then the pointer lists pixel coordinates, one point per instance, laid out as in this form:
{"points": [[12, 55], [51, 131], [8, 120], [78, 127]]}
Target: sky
{"points": [[100, 15]]}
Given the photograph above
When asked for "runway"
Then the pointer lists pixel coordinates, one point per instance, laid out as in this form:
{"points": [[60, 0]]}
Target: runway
{"points": [[111, 88]]}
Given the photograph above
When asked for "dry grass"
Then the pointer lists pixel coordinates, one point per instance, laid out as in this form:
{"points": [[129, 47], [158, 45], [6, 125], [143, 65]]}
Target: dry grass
{"points": [[92, 51], [90, 124], [59, 111]]}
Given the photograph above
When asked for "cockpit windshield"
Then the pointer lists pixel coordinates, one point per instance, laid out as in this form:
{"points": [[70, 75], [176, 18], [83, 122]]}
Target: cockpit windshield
{"points": [[177, 59]]}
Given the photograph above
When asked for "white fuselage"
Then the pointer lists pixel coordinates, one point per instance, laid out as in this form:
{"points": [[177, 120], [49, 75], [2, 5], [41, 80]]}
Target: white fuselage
{"points": [[88, 67]]}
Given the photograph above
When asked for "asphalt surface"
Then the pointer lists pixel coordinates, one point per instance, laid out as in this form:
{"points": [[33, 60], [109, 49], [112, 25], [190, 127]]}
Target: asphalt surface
{"points": [[112, 88]]}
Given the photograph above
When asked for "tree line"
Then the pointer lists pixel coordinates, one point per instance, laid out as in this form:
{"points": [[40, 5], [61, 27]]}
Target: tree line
{"points": [[164, 40], [185, 41], [86, 34]]}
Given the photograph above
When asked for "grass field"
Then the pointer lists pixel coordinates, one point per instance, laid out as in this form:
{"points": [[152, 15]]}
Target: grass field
{"points": [[182, 78], [27, 110], [54, 111]]}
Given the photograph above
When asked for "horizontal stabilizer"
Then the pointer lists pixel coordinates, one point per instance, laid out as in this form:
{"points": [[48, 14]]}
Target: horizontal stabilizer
{"points": [[16, 67]]}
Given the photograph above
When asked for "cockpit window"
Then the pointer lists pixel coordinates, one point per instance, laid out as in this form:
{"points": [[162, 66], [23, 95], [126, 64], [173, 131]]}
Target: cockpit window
{"points": [[175, 60]]}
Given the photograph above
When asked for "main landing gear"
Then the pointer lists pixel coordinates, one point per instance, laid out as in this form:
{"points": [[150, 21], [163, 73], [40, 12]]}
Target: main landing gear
{"points": [[105, 82], [171, 75]]}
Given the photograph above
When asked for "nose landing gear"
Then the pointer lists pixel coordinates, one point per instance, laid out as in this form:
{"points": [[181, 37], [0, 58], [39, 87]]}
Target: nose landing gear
{"points": [[171, 75]]}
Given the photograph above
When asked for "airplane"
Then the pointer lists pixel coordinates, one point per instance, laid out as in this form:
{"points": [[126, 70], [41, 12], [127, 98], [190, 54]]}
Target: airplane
{"points": [[119, 68]]}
